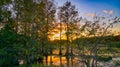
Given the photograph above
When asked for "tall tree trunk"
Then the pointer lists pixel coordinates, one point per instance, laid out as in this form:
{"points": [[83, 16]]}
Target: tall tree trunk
{"points": [[51, 60], [60, 53], [72, 58], [51, 56], [67, 46], [46, 58]]}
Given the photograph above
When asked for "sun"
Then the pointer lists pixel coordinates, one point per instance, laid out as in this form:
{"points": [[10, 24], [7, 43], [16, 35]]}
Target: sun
{"points": [[56, 34], [59, 33]]}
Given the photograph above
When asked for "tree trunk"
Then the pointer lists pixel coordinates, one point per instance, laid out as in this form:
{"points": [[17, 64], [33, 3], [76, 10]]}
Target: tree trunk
{"points": [[60, 53], [46, 60]]}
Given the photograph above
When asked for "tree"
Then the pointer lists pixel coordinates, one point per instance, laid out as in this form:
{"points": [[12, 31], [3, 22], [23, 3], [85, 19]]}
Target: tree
{"points": [[68, 15], [94, 36]]}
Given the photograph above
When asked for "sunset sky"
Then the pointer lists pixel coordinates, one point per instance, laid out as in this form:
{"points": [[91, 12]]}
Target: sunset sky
{"points": [[88, 8]]}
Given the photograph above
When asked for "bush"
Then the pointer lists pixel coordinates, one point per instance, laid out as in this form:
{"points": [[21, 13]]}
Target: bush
{"points": [[117, 63], [104, 59], [8, 61]]}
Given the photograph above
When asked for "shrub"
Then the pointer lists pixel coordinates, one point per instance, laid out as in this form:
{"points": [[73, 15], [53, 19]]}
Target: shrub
{"points": [[117, 63], [105, 59], [8, 61]]}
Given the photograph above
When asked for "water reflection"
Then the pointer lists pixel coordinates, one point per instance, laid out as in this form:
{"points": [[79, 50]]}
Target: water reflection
{"points": [[56, 60]]}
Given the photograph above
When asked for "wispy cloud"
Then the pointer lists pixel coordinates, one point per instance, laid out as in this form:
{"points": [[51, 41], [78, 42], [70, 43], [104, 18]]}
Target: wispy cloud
{"points": [[105, 11], [111, 12], [91, 14]]}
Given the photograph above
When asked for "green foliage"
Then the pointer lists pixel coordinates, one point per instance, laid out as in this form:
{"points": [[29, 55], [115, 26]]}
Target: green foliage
{"points": [[10, 46], [117, 63], [3, 2], [114, 44], [104, 59], [8, 60]]}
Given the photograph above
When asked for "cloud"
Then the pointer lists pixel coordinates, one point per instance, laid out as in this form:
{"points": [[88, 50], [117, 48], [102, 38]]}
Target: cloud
{"points": [[111, 12], [91, 14], [105, 11]]}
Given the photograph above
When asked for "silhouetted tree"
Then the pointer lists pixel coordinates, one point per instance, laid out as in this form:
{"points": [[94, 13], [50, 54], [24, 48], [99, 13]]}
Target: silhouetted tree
{"points": [[68, 15]]}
